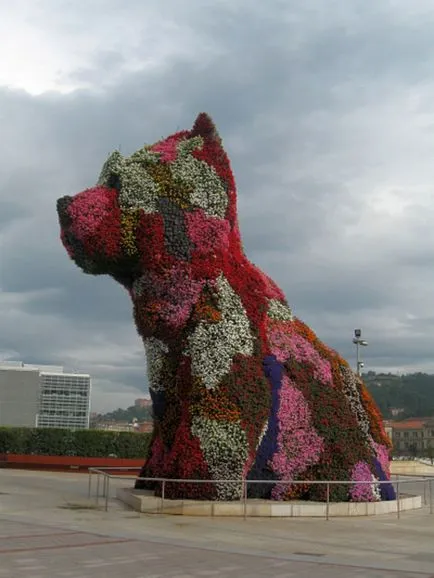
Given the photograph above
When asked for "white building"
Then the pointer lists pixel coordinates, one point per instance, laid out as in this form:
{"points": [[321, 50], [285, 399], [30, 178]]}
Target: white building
{"points": [[43, 396], [19, 395], [64, 400]]}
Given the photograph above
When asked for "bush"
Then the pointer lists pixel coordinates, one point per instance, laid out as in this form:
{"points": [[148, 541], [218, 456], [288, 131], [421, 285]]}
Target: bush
{"points": [[64, 442]]}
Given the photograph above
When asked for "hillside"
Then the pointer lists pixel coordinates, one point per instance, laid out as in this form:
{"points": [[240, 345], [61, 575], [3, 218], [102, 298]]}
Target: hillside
{"points": [[128, 414], [413, 393]]}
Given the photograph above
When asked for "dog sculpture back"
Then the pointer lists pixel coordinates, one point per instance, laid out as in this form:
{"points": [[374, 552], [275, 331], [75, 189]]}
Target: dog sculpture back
{"points": [[241, 389]]}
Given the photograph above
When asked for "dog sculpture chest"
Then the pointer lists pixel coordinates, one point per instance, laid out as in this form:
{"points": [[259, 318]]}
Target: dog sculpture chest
{"points": [[240, 388]]}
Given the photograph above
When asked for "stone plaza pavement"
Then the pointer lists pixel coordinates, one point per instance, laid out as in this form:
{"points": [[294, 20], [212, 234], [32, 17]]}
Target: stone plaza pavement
{"points": [[48, 529]]}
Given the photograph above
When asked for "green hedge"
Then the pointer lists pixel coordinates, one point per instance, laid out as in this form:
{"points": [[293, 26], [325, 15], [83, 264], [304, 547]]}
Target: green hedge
{"points": [[64, 442]]}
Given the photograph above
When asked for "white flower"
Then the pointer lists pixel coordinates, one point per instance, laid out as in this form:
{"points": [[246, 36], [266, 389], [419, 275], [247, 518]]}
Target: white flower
{"points": [[110, 167], [376, 489], [138, 190], [262, 434], [187, 145], [156, 352], [279, 311], [225, 449], [212, 346], [145, 156], [352, 392], [208, 191]]}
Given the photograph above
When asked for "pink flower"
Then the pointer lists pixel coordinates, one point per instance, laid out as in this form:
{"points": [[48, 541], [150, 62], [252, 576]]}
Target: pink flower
{"points": [[167, 149], [382, 454], [362, 492], [285, 343], [207, 233], [88, 210], [299, 446], [174, 292]]}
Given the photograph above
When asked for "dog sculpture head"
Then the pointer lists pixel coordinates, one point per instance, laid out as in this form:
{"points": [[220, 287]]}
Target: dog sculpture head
{"points": [[159, 220], [165, 203]]}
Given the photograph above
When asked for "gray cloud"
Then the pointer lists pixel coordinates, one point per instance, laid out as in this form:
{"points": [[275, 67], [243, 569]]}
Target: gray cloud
{"points": [[327, 115]]}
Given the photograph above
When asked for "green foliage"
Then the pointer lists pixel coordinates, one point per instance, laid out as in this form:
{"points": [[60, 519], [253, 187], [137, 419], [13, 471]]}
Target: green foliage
{"points": [[132, 412], [64, 442], [414, 393]]}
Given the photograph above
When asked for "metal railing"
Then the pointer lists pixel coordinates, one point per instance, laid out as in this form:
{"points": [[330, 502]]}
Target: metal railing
{"points": [[398, 482]]}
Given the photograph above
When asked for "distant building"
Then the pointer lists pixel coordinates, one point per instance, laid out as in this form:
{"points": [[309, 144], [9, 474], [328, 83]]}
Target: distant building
{"points": [[143, 402], [120, 426], [19, 395], [43, 396], [413, 435], [64, 400], [146, 427], [125, 426], [388, 428]]}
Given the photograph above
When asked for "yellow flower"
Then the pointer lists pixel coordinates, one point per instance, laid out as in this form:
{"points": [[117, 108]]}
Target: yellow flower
{"points": [[176, 191], [129, 222]]}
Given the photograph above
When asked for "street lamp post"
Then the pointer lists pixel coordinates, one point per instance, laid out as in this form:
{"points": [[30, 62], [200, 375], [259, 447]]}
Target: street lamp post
{"points": [[358, 341]]}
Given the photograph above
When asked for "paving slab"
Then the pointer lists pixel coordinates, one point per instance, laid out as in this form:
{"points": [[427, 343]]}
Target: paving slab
{"points": [[86, 558], [49, 528]]}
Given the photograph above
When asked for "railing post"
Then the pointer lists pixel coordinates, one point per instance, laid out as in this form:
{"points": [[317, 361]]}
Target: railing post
{"points": [[104, 484], [163, 491], [107, 493], [139, 509], [245, 499], [97, 489], [328, 501], [398, 498], [89, 486], [431, 505]]}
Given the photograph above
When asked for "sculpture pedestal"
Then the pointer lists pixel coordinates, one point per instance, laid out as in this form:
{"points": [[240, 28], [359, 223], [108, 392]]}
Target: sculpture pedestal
{"points": [[145, 502]]}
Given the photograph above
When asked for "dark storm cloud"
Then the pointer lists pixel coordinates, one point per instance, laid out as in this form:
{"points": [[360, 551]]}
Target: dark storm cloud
{"points": [[304, 98], [10, 212]]}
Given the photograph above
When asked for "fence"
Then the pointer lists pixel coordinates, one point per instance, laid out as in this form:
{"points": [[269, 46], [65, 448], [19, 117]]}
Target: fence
{"points": [[399, 482]]}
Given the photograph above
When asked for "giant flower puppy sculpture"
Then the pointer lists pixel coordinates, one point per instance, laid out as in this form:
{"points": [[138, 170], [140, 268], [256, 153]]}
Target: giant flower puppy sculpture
{"points": [[241, 389]]}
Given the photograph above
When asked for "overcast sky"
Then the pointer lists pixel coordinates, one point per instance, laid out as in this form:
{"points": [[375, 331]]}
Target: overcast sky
{"points": [[327, 112]]}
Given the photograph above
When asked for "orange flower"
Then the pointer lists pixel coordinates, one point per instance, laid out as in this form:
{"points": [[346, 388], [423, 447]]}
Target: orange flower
{"points": [[212, 404], [206, 310]]}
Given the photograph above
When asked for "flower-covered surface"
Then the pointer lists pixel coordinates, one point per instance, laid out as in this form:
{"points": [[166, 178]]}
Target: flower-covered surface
{"points": [[241, 388]]}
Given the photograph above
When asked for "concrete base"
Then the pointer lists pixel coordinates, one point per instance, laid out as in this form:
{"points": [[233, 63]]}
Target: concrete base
{"points": [[146, 502], [411, 468]]}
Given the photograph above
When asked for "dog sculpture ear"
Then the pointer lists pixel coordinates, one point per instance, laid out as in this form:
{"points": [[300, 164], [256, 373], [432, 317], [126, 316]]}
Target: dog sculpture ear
{"points": [[205, 127]]}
